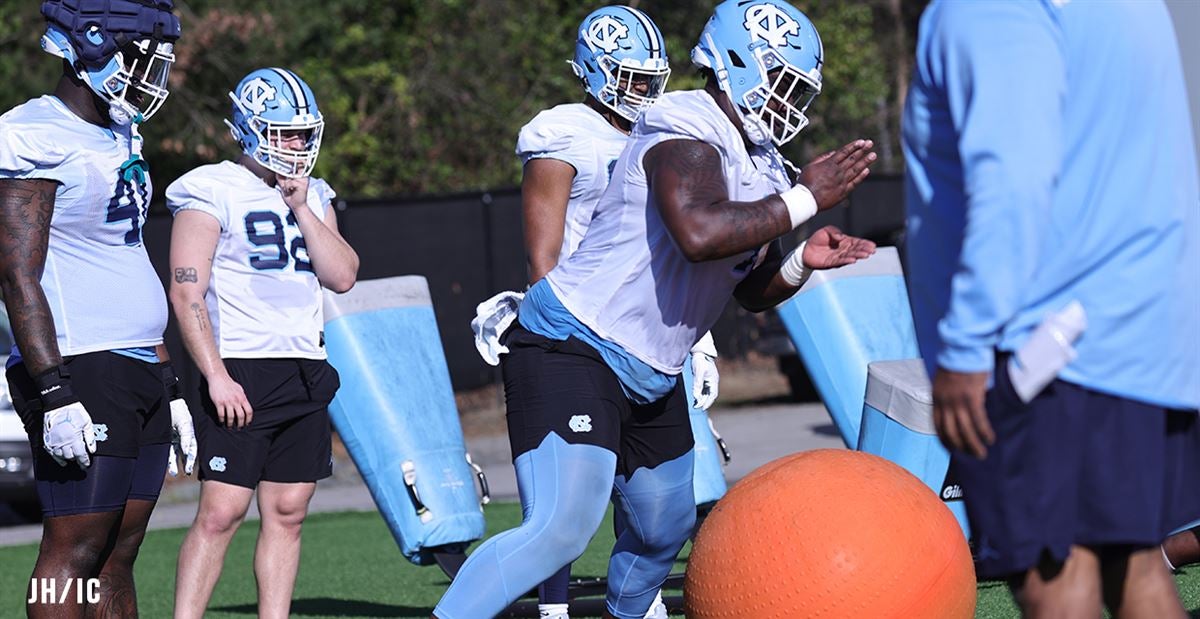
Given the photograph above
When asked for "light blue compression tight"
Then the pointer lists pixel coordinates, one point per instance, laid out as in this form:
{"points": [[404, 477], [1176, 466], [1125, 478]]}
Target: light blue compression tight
{"points": [[656, 512], [565, 489]]}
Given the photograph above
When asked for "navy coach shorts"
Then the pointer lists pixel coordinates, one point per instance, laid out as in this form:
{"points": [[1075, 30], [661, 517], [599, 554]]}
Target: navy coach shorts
{"points": [[288, 440], [1076, 467], [565, 387]]}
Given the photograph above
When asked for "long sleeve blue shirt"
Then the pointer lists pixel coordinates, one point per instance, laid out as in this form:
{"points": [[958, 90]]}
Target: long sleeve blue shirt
{"points": [[1050, 159]]}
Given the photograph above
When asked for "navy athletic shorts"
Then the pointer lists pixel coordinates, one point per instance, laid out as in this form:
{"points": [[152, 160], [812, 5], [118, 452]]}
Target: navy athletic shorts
{"points": [[1076, 467], [564, 386], [288, 439], [129, 408]]}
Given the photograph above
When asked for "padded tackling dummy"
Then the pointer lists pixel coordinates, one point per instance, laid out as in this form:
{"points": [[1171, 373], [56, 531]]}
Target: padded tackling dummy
{"points": [[897, 424], [396, 414], [843, 319], [709, 477]]}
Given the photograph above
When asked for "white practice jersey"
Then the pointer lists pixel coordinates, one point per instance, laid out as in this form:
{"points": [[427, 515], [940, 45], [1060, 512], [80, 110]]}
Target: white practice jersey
{"points": [[628, 281], [579, 136], [102, 290], [263, 298]]}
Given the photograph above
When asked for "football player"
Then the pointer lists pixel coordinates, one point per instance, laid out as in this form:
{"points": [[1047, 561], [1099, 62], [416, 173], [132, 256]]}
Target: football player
{"points": [[698, 198], [253, 242], [568, 152], [88, 374]]}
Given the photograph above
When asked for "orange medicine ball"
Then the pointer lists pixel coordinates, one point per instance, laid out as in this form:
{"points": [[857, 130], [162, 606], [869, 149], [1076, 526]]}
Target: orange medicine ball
{"points": [[830, 533]]}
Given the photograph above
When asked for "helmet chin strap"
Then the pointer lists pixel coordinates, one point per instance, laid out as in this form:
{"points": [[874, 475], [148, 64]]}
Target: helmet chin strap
{"points": [[754, 128], [121, 116]]}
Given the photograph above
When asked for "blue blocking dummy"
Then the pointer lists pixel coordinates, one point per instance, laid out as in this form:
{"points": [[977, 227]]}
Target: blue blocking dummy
{"points": [[897, 424], [709, 477], [844, 319], [395, 412]]}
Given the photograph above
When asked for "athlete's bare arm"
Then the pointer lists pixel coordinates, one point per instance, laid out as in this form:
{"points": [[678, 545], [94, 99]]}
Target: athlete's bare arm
{"points": [[333, 260], [545, 191], [194, 237], [25, 210], [687, 180]]}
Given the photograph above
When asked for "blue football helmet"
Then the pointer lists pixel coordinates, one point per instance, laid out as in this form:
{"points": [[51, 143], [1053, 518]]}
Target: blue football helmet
{"points": [[270, 106], [621, 58], [122, 49], [767, 57]]}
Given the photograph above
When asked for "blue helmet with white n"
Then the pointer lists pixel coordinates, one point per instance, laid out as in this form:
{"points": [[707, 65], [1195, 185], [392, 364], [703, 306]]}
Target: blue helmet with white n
{"points": [[269, 107], [767, 57], [621, 58], [122, 49]]}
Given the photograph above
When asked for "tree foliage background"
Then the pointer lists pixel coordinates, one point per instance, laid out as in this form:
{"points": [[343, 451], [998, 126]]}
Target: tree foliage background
{"points": [[427, 96]]}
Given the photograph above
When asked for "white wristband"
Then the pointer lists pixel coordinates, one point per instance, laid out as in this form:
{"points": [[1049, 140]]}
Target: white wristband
{"points": [[800, 204], [793, 270]]}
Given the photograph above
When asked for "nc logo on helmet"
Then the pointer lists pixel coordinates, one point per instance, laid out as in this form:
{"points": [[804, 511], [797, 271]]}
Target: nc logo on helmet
{"points": [[254, 95], [771, 24], [606, 33]]}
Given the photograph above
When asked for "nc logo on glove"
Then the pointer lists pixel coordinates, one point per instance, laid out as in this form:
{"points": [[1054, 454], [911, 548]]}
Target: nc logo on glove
{"points": [[580, 423]]}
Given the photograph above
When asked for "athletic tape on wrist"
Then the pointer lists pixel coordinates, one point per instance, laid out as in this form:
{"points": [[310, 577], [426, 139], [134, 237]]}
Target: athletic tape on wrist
{"points": [[793, 270], [800, 203]]}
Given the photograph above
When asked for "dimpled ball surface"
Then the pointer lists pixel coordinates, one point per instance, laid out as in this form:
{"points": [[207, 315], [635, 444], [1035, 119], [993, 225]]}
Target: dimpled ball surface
{"points": [[830, 533]]}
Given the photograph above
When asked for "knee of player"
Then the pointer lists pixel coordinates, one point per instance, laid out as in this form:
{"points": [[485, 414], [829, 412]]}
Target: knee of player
{"points": [[673, 536], [128, 544], [670, 528], [565, 539], [83, 556], [219, 520], [288, 506], [286, 516]]}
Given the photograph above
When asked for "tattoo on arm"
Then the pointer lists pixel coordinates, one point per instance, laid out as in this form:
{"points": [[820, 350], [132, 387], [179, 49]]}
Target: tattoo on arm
{"points": [[691, 182], [201, 320], [185, 275], [25, 210]]}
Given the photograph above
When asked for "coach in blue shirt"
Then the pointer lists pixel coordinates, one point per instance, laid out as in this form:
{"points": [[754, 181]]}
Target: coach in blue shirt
{"points": [[1051, 161]]}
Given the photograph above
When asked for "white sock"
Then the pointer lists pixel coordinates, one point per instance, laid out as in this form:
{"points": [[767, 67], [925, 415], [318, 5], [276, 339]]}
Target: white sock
{"points": [[658, 602], [554, 611]]}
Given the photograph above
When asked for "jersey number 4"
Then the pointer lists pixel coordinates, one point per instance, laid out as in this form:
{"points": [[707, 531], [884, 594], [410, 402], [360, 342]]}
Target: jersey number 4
{"points": [[276, 241], [128, 202]]}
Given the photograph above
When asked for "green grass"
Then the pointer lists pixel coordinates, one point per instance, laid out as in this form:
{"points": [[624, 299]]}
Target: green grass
{"points": [[350, 567]]}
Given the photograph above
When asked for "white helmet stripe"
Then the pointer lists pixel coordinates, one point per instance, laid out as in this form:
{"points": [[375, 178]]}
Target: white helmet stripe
{"points": [[651, 33], [297, 90]]}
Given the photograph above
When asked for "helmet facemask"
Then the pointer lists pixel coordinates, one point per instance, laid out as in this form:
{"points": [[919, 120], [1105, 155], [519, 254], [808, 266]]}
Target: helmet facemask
{"points": [[778, 104], [630, 89], [138, 87], [271, 151]]}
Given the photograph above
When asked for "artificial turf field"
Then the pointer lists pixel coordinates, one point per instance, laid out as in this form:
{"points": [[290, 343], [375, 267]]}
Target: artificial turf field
{"points": [[350, 567]]}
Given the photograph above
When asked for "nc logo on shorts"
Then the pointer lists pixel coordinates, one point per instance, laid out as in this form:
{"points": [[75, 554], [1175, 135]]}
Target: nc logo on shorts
{"points": [[217, 463], [580, 423], [101, 432]]}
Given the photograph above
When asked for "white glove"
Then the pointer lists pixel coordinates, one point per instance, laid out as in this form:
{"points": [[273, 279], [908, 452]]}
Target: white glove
{"points": [[67, 434], [183, 435], [705, 378], [492, 319]]}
